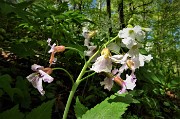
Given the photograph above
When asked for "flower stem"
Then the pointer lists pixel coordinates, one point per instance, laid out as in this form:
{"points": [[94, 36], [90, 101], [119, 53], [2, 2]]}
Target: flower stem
{"points": [[66, 73], [110, 41], [79, 79], [74, 87]]}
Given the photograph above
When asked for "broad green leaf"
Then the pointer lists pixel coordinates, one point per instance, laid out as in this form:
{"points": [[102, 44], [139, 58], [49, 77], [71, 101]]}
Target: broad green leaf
{"points": [[111, 108], [79, 108], [12, 113], [42, 112]]}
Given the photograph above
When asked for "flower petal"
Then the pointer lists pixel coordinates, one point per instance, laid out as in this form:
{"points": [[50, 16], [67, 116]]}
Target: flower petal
{"points": [[108, 83], [36, 67], [45, 77]]}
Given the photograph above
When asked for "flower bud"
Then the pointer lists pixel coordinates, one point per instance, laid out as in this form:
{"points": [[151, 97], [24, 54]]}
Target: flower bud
{"points": [[106, 52], [60, 48], [118, 80]]}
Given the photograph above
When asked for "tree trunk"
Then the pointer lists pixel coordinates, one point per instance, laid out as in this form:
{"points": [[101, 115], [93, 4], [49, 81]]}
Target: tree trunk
{"points": [[121, 15], [109, 15]]}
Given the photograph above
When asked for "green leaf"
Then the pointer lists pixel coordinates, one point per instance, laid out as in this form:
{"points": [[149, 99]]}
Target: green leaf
{"points": [[42, 112], [13, 113], [23, 86], [114, 47], [5, 81], [111, 108], [79, 108]]}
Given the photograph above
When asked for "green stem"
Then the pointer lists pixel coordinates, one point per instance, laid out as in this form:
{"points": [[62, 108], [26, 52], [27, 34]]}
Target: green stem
{"points": [[74, 87], [88, 76], [111, 41], [66, 73], [79, 79], [80, 53]]}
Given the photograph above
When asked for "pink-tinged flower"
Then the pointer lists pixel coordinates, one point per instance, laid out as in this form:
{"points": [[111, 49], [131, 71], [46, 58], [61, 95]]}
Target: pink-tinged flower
{"points": [[103, 63], [129, 83], [39, 76]]}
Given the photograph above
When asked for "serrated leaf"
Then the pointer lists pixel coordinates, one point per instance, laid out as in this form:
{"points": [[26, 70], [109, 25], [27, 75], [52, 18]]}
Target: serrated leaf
{"points": [[42, 112], [13, 113], [111, 108], [79, 108]]}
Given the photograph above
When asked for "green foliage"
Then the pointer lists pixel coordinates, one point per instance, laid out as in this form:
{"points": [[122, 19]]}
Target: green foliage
{"points": [[12, 113], [79, 108], [5, 84], [26, 25], [111, 108], [42, 112]]}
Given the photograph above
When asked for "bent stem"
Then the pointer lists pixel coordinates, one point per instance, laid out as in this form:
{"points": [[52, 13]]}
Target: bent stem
{"points": [[66, 73]]}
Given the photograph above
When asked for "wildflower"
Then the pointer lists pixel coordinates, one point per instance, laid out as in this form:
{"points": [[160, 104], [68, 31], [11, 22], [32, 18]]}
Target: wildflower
{"points": [[129, 42], [41, 74], [54, 49], [133, 60], [103, 63], [134, 33], [129, 83]]}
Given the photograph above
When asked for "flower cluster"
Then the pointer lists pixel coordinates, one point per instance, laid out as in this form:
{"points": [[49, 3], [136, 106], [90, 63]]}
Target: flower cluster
{"points": [[41, 73], [132, 60]]}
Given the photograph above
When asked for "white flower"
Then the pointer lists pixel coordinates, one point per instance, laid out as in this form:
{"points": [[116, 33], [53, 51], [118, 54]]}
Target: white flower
{"points": [[129, 42], [126, 32], [52, 46], [36, 67], [37, 78], [108, 83], [139, 33], [129, 83], [132, 33], [102, 64], [136, 57]]}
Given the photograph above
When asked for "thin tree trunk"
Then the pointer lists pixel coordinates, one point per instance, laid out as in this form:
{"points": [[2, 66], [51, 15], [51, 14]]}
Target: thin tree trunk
{"points": [[109, 14], [121, 15]]}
